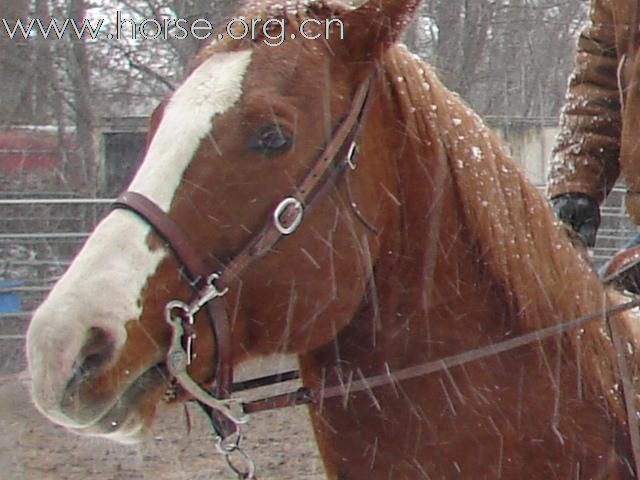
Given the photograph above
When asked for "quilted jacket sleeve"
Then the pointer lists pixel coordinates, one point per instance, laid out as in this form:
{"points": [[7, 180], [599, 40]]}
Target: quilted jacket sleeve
{"points": [[586, 153]]}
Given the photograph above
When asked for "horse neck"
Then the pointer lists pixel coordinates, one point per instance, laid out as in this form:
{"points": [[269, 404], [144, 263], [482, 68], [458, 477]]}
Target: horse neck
{"points": [[474, 248], [537, 276], [425, 276]]}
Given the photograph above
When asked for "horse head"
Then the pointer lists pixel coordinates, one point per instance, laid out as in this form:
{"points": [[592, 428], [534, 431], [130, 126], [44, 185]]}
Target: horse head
{"points": [[225, 150]]}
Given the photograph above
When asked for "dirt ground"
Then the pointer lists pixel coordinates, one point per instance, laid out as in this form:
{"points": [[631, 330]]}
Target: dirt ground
{"points": [[31, 448]]}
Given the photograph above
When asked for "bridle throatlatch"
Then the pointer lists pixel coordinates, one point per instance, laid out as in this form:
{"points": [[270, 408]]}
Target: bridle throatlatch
{"points": [[210, 282]]}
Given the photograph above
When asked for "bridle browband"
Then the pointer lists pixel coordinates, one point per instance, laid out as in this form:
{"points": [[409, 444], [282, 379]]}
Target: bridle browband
{"points": [[210, 280]]}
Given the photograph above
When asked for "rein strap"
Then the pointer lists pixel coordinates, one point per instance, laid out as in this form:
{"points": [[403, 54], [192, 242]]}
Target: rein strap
{"points": [[306, 396]]}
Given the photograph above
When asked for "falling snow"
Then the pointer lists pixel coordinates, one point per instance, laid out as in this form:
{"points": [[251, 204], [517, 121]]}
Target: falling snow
{"points": [[400, 369]]}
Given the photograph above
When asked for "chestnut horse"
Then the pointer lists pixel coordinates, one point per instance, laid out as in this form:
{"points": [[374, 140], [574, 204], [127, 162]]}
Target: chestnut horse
{"points": [[424, 241]]}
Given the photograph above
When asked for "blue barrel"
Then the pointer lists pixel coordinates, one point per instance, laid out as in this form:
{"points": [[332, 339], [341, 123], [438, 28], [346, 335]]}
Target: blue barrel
{"points": [[10, 301]]}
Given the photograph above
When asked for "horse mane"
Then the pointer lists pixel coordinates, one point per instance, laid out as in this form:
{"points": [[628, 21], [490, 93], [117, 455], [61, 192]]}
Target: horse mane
{"points": [[521, 244]]}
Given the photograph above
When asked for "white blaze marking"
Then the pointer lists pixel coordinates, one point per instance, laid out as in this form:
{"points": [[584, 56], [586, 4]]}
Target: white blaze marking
{"points": [[212, 89], [103, 287]]}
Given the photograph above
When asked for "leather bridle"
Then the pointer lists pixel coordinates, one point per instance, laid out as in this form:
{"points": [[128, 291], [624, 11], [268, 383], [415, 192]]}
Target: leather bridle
{"points": [[210, 281]]}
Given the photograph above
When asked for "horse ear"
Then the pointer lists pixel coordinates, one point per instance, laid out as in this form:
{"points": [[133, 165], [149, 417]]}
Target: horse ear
{"points": [[367, 28]]}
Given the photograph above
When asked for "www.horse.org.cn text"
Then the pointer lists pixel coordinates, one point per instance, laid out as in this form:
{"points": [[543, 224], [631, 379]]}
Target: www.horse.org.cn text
{"points": [[272, 32]]}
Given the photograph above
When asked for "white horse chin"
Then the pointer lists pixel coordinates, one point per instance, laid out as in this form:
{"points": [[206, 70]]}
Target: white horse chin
{"points": [[126, 417]]}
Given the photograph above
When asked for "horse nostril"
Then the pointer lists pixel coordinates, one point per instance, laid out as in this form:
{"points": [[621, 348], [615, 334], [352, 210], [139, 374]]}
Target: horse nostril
{"points": [[95, 355]]}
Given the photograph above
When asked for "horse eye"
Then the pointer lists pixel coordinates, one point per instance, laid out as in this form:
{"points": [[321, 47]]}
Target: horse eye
{"points": [[270, 141]]}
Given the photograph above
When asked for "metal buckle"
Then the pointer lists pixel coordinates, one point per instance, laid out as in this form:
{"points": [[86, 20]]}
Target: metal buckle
{"points": [[178, 312], [282, 209], [211, 293]]}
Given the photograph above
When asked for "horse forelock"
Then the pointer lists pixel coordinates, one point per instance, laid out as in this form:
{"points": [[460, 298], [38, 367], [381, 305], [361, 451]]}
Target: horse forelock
{"points": [[544, 279]]}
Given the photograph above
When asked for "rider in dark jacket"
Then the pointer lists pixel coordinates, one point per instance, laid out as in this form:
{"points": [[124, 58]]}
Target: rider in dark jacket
{"points": [[600, 123]]}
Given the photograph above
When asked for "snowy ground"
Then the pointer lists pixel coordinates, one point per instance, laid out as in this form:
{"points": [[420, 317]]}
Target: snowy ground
{"points": [[281, 444]]}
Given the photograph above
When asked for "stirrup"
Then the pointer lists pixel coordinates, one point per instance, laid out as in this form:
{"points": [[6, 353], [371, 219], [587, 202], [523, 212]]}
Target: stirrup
{"points": [[623, 270]]}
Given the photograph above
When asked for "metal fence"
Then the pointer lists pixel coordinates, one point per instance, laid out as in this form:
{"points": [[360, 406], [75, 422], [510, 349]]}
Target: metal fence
{"points": [[616, 228], [39, 236]]}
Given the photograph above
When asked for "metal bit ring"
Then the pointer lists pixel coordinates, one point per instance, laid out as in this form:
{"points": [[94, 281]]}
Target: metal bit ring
{"points": [[249, 470]]}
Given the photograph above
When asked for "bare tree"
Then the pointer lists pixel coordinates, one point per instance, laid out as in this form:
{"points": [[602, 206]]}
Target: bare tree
{"points": [[16, 99], [506, 57], [84, 115], [72, 82]]}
